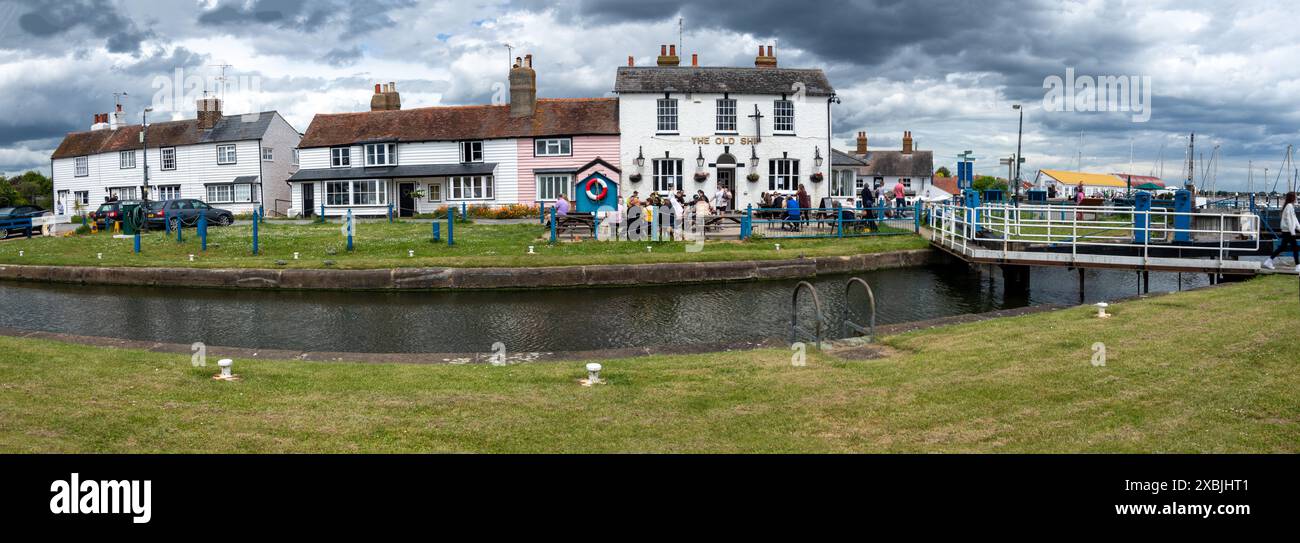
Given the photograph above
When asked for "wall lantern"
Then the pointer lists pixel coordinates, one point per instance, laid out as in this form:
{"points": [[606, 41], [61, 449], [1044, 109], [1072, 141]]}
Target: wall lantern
{"points": [[817, 158], [700, 160], [640, 158], [753, 157]]}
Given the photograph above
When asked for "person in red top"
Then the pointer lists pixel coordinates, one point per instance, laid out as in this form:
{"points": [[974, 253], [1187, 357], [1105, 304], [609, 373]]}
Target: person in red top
{"points": [[900, 197]]}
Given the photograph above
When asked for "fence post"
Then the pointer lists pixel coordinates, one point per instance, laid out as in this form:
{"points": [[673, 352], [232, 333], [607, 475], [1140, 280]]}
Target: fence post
{"points": [[916, 216], [747, 229], [541, 212], [256, 216], [203, 231], [261, 213], [464, 209], [137, 241], [180, 238], [839, 222], [321, 217], [167, 220], [390, 213], [553, 232], [451, 226]]}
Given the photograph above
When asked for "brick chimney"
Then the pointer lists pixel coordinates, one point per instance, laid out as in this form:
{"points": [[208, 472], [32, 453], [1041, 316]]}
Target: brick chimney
{"points": [[209, 112], [862, 143], [523, 88], [668, 56], [765, 61], [101, 122], [386, 97], [907, 142], [695, 60]]}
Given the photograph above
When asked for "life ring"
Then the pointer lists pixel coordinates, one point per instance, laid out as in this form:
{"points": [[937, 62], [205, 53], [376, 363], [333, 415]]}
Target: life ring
{"points": [[604, 189]]}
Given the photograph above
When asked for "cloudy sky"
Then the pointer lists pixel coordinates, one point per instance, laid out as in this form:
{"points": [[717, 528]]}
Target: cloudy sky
{"points": [[947, 71]]}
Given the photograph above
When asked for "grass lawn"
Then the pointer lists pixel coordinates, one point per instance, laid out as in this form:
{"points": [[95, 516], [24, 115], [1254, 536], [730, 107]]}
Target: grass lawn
{"points": [[1227, 383], [384, 245]]}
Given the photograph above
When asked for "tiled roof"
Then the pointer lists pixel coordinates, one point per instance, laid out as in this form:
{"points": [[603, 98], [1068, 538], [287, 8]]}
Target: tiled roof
{"points": [[393, 172], [947, 184], [897, 163], [717, 80], [164, 134], [552, 117], [841, 158]]}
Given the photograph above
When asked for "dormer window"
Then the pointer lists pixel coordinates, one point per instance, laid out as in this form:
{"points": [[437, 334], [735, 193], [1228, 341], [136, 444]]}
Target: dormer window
{"points": [[471, 151], [340, 157], [381, 154]]}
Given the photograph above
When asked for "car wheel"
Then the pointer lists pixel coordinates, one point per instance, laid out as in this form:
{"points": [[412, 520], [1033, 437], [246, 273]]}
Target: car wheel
{"points": [[224, 220]]}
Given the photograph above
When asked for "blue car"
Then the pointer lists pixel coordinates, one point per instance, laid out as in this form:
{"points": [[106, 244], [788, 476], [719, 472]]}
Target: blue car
{"points": [[12, 223]]}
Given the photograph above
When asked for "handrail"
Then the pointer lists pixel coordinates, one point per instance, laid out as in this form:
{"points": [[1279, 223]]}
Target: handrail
{"points": [[851, 326], [794, 313]]}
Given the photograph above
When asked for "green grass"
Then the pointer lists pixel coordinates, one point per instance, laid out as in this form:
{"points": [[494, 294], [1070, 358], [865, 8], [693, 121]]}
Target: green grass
{"points": [[1225, 383], [384, 245]]}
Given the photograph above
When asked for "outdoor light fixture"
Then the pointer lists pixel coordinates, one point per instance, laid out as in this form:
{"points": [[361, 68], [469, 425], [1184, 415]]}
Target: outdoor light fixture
{"points": [[817, 157], [699, 161], [640, 158], [753, 157]]}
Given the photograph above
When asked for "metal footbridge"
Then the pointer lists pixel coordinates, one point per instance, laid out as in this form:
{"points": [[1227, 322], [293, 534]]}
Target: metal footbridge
{"points": [[1137, 237]]}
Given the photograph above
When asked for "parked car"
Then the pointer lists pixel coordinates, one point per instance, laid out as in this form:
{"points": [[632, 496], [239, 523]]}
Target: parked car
{"points": [[10, 214], [110, 210], [185, 212]]}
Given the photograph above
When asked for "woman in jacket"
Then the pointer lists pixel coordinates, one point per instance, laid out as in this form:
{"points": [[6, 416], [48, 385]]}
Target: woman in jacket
{"points": [[1289, 229]]}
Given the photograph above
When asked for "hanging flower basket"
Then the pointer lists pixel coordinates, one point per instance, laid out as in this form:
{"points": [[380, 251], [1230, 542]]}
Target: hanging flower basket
{"points": [[817, 177], [701, 177], [635, 178], [753, 177]]}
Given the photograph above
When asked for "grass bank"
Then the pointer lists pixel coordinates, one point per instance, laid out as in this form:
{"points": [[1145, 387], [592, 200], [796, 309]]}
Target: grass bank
{"points": [[1227, 383], [384, 245]]}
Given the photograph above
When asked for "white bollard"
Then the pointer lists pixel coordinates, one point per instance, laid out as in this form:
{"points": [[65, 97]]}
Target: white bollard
{"points": [[99, 256], [20, 253], [225, 364], [191, 258], [295, 256], [649, 249], [410, 252], [778, 246], [593, 373], [1101, 310], [530, 250]]}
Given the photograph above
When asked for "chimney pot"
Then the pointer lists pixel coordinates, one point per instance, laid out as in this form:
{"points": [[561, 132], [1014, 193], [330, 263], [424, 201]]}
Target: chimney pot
{"points": [[769, 51], [760, 50], [695, 59], [862, 142], [672, 50], [663, 50], [631, 61], [529, 60], [377, 88], [765, 60]]}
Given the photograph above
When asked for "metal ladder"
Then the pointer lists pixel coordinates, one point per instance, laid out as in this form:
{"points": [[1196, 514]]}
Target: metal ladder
{"points": [[849, 326]]}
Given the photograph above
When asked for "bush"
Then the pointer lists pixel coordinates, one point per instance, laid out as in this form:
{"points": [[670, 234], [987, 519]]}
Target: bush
{"points": [[83, 230]]}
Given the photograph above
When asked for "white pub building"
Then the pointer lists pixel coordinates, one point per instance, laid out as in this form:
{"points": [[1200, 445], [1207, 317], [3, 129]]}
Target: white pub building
{"points": [[752, 130]]}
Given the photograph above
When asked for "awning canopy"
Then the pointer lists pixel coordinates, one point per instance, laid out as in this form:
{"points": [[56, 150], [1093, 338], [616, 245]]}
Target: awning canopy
{"points": [[1088, 179], [388, 172]]}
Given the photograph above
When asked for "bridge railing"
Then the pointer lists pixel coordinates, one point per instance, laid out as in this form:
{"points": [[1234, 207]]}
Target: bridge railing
{"points": [[1082, 227]]}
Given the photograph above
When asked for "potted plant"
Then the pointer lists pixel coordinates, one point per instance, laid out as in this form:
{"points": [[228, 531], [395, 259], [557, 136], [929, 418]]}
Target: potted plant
{"points": [[701, 177], [635, 178], [752, 177], [817, 177]]}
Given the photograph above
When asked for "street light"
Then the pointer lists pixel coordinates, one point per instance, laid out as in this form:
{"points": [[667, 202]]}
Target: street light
{"points": [[699, 161], [1019, 134], [817, 157], [753, 158], [640, 158]]}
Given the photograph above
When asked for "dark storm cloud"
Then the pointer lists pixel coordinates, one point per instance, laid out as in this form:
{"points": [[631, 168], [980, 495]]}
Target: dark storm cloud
{"points": [[42, 19], [301, 15]]}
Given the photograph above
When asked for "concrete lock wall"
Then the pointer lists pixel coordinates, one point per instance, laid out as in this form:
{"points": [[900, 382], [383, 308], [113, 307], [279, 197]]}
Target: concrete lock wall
{"points": [[473, 278]]}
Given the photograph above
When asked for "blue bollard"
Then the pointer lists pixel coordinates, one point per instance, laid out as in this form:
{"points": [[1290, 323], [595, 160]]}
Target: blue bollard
{"points": [[167, 221], [553, 233], [541, 212], [451, 226], [390, 213], [916, 216], [261, 214], [179, 237], [321, 217], [255, 234], [203, 231], [137, 242], [437, 234], [464, 209], [351, 227]]}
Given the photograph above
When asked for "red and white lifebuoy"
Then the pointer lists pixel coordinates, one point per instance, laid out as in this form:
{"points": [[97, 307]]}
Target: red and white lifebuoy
{"points": [[604, 189]]}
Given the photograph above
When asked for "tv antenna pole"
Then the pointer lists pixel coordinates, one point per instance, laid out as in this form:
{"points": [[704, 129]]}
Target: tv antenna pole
{"points": [[221, 93]]}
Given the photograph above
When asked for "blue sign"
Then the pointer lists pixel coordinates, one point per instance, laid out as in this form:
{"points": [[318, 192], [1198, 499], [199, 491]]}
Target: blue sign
{"points": [[594, 192]]}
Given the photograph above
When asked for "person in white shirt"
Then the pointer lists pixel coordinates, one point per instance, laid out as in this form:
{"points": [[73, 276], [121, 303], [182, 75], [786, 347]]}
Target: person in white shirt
{"points": [[678, 218], [1288, 231]]}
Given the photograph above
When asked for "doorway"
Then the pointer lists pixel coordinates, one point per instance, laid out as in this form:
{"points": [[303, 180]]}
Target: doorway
{"points": [[405, 200], [727, 180], [308, 200]]}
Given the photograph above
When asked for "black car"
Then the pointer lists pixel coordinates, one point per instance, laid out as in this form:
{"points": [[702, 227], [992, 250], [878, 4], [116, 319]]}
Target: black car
{"points": [[185, 212], [110, 210], [10, 217]]}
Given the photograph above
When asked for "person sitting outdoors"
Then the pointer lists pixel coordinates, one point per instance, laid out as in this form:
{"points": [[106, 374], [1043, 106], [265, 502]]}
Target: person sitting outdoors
{"points": [[791, 215], [561, 206]]}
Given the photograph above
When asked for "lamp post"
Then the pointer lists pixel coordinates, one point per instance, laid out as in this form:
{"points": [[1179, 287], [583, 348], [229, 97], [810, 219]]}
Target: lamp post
{"points": [[144, 150], [1019, 135]]}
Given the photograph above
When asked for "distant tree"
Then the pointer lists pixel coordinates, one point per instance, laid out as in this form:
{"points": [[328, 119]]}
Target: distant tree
{"points": [[34, 188], [988, 182], [9, 194], [943, 171]]}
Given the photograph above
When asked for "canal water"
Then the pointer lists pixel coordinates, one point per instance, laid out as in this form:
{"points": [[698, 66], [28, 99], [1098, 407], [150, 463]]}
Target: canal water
{"points": [[527, 321]]}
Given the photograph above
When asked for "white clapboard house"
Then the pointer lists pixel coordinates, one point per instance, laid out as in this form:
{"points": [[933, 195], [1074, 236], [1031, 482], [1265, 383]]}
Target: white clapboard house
{"points": [[234, 162], [750, 129]]}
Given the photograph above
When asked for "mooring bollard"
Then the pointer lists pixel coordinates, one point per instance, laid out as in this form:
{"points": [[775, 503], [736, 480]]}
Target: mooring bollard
{"points": [[167, 221], [255, 233], [203, 231], [261, 214], [390, 213], [351, 226], [464, 209], [451, 226], [137, 242], [553, 228], [179, 237], [321, 216], [437, 234]]}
